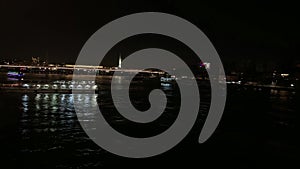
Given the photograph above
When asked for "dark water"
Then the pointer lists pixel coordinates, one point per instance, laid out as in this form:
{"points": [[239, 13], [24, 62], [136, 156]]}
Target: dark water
{"points": [[258, 130]]}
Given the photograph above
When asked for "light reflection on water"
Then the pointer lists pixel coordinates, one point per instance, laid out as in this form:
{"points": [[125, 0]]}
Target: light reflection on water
{"points": [[49, 127]]}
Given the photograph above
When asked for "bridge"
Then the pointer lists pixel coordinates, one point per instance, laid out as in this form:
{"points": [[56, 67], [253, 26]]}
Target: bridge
{"points": [[83, 68]]}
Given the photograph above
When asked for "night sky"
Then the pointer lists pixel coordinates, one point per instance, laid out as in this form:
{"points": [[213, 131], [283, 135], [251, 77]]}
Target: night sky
{"points": [[253, 31]]}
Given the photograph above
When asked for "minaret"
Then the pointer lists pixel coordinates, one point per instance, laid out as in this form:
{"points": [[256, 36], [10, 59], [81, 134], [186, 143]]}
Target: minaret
{"points": [[120, 62]]}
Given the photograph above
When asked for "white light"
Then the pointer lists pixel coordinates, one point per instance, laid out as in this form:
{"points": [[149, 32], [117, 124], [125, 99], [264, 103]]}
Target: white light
{"points": [[54, 86], [292, 85], [26, 85], [63, 86], [284, 74], [184, 77], [79, 87], [46, 86], [95, 87], [207, 65], [87, 87]]}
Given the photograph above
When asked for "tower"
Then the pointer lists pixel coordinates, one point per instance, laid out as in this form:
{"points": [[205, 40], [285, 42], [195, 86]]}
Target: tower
{"points": [[120, 62]]}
